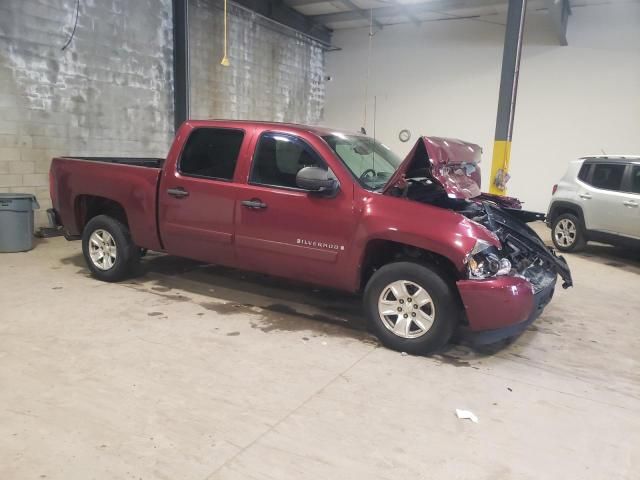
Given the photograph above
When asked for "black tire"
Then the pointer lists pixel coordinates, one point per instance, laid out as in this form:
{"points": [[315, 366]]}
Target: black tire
{"points": [[445, 303], [126, 251], [578, 242]]}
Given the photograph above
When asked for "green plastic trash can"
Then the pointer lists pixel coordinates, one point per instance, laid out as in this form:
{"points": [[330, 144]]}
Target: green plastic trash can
{"points": [[16, 221]]}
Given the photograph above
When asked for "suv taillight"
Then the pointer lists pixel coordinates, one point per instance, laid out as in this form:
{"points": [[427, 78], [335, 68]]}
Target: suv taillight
{"points": [[553, 190]]}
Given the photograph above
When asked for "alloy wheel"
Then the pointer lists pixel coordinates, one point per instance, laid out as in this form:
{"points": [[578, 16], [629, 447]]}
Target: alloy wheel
{"points": [[102, 249], [406, 309], [565, 232]]}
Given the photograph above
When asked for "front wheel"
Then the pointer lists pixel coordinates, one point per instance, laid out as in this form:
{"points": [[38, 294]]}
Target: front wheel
{"points": [[108, 248], [411, 308]]}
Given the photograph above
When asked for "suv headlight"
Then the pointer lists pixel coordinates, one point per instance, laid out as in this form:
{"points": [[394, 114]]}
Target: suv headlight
{"points": [[484, 261]]}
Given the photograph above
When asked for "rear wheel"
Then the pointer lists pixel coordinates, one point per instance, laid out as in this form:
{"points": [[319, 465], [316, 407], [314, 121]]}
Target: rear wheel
{"points": [[108, 249], [567, 233], [411, 308]]}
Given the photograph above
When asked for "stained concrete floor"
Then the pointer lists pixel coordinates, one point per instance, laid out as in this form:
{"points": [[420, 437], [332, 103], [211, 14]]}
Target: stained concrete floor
{"points": [[191, 371]]}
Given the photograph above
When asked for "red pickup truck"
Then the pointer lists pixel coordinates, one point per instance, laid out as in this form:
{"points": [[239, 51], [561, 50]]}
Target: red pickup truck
{"points": [[426, 248]]}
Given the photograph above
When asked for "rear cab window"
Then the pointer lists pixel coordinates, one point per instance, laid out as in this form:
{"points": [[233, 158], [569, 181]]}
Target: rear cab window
{"points": [[211, 153]]}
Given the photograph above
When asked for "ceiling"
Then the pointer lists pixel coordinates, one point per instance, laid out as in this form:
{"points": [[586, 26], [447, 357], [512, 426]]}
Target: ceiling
{"points": [[340, 14]]}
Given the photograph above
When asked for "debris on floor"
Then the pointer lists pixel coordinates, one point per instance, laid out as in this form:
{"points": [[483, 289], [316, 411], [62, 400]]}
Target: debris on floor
{"points": [[466, 415]]}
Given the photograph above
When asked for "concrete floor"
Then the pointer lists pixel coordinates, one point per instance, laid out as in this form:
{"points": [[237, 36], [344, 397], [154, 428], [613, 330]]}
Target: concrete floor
{"points": [[196, 372]]}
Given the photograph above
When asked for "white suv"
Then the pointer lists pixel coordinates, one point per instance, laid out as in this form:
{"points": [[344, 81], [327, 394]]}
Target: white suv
{"points": [[597, 199]]}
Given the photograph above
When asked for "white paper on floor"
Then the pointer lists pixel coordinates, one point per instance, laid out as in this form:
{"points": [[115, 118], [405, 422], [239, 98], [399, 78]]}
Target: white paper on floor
{"points": [[466, 414]]}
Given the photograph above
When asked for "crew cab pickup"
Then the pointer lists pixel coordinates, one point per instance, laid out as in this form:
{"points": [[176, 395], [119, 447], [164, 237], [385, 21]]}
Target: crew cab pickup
{"points": [[428, 251]]}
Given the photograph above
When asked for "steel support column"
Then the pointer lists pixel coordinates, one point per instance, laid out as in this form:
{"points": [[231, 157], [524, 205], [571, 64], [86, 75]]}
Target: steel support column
{"points": [[507, 96], [181, 82], [559, 11]]}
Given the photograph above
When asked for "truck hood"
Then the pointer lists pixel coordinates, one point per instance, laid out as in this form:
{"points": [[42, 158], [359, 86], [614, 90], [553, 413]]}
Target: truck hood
{"points": [[450, 162]]}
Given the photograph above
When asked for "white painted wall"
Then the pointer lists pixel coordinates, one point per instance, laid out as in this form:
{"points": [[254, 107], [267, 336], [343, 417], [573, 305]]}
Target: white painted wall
{"points": [[442, 78]]}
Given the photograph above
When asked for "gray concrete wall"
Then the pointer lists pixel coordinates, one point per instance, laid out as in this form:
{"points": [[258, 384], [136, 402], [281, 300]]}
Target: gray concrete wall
{"points": [[108, 93], [275, 73]]}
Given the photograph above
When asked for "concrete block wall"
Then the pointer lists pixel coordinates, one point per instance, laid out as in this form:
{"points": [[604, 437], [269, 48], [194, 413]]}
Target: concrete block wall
{"points": [[275, 73], [111, 91], [108, 93]]}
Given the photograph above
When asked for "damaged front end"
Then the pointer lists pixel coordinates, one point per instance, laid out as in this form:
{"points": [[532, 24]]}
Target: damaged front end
{"points": [[444, 172], [508, 287], [523, 252]]}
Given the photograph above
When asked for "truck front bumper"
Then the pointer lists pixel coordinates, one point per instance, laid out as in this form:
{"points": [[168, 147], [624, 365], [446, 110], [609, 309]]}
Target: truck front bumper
{"points": [[502, 307]]}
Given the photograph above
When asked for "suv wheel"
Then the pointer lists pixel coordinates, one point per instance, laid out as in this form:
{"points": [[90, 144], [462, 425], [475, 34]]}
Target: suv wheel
{"points": [[108, 248], [411, 308], [567, 233]]}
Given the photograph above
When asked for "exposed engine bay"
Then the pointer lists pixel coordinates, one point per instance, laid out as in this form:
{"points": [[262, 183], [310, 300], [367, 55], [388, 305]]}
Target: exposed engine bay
{"points": [[523, 252]]}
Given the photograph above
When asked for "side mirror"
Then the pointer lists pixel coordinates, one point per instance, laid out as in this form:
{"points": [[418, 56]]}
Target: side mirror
{"points": [[315, 179]]}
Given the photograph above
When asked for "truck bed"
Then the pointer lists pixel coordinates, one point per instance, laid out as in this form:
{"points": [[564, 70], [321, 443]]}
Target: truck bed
{"points": [[130, 182], [135, 161]]}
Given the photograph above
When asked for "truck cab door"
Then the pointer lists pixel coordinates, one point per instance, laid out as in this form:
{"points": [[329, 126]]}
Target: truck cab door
{"points": [[284, 230], [197, 196]]}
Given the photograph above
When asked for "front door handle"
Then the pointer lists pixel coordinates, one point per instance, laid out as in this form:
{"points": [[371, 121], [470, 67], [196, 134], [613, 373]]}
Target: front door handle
{"points": [[178, 192], [586, 196], [630, 203], [254, 203]]}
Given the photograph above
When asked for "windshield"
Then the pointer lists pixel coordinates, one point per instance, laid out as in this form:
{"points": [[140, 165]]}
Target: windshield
{"points": [[369, 161]]}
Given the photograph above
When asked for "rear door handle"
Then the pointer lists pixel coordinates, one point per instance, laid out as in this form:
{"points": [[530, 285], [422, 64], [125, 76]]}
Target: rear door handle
{"points": [[178, 192], [586, 196], [630, 203], [254, 203]]}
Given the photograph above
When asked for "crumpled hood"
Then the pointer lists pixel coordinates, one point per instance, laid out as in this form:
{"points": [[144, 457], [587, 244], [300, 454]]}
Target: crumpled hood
{"points": [[451, 162]]}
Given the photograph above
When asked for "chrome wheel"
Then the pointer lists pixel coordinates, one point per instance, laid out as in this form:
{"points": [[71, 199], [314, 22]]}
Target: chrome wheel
{"points": [[406, 309], [565, 232], [102, 249]]}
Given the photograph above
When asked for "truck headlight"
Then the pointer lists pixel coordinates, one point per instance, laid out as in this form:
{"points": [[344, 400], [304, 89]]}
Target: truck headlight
{"points": [[484, 261]]}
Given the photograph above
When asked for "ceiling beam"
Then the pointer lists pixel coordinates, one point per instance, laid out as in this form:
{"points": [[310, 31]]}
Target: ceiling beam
{"points": [[559, 11], [366, 14], [434, 6], [277, 11], [407, 13], [302, 3]]}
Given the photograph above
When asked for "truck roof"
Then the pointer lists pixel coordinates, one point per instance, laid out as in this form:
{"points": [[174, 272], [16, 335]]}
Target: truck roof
{"points": [[318, 130]]}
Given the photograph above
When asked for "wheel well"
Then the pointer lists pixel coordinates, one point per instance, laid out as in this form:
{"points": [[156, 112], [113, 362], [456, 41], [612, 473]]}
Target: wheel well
{"points": [[562, 208], [89, 206], [382, 252]]}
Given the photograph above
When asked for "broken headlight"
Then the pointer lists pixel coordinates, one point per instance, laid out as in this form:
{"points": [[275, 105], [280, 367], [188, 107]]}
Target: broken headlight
{"points": [[484, 261]]}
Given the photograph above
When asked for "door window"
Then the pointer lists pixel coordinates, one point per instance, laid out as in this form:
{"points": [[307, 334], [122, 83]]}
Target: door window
{"points": [[607, 176], [211, 153], [279, 158], [635, 179]]}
